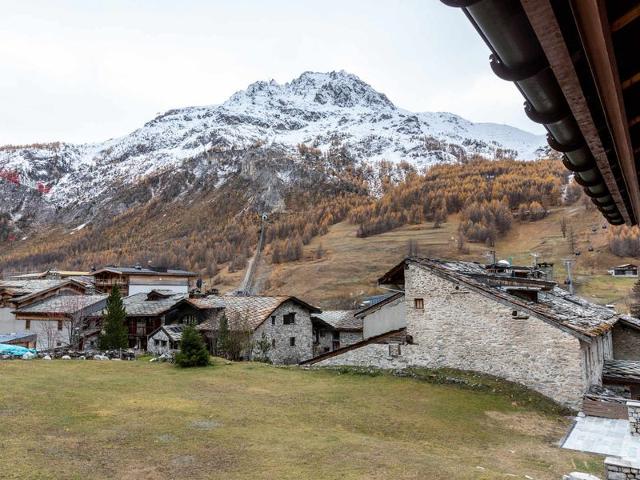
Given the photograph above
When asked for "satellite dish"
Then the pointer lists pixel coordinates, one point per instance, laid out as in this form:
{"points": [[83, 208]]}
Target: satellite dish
{"points": [[504, 263], [265, 217]]}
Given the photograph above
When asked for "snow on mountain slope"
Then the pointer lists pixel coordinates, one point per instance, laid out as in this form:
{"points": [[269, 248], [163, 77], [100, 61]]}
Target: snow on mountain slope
{"points": [[322, 110]]}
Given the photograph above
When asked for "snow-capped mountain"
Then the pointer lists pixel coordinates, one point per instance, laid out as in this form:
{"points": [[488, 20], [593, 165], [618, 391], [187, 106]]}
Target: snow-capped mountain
{"points": [[320, 110]]}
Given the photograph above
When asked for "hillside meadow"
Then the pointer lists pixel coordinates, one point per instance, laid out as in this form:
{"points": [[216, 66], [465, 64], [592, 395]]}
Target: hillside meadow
{"points": [[140, 420]]}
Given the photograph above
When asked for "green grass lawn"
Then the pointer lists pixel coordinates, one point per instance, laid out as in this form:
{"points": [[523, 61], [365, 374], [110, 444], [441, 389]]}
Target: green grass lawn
{"points": [[140, 420]]}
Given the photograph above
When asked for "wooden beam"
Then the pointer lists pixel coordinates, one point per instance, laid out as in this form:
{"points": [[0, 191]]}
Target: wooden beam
{"points": [[593, 25], [621, 22], [631, 81], [545, 24]]}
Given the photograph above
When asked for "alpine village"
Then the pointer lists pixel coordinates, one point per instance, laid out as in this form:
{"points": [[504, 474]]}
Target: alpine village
{"points": [[307, 281]]}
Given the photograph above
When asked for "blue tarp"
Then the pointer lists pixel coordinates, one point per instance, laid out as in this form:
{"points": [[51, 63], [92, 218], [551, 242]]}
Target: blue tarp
{"points": [[14, 350]]}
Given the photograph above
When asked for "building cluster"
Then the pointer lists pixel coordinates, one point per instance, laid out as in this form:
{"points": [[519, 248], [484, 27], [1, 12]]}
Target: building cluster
{"points": [[65, 310], [503, 320]]}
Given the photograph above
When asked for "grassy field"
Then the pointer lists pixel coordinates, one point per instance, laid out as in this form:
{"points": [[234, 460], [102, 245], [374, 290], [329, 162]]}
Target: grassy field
{"points": [[351, 265], [136, 420]]}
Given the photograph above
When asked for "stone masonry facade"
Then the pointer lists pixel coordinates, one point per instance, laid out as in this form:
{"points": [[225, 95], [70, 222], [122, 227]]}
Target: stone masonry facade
{"points": [[621, 469], [463, 329], [280, 335], [633, 409], [625, 342]]}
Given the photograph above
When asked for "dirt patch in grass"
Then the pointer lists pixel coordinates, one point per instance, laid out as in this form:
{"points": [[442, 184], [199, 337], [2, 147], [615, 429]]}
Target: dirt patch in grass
{"points": [[529, 423]]}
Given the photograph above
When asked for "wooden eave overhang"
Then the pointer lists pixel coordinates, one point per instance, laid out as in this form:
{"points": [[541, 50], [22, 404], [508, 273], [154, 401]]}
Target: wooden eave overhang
{"points": [[575, 63]]}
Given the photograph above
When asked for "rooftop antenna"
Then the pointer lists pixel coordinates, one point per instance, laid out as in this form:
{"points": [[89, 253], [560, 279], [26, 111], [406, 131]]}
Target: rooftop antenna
{"points": [[568, 263]]}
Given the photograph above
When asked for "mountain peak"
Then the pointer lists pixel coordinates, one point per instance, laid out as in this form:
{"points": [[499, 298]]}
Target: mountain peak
{"points": [[330, 89]]}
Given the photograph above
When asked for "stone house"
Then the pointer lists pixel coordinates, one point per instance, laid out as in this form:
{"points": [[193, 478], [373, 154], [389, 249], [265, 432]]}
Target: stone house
{"points": [[165, 339], [146, 313], [334, 329], [526, 330], [285, 322]]}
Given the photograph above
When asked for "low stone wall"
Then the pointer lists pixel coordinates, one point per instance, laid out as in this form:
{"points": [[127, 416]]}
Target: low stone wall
{"points": [[633, 409], [621, 469]]}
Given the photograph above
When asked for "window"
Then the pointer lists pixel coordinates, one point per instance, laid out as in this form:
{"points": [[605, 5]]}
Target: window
{"points": [[59, 324], [27, 324], [156, 342], [164, 343], [289, 319], [418, 303], [273, 343], [58, 344], [273, 320], [394, 350], [292, 341]]}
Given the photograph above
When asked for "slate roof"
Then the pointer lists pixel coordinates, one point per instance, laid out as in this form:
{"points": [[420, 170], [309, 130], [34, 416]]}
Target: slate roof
{"points": [[341, 319], [174, 332], [137, 305], [145, 271], [241, 310], [12, 337], [555, 305], [28, 286], [621, 370], [62, 304]]}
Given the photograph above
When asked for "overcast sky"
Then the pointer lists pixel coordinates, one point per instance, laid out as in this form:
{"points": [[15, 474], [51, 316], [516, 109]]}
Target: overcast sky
{"points": [[88, 70]]}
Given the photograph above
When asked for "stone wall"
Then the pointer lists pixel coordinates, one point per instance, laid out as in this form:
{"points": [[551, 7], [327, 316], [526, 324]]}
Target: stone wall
{"points": [[301, 330], [349, 338], [626, 342], [372, 355], [633, 409], [621, 469]]}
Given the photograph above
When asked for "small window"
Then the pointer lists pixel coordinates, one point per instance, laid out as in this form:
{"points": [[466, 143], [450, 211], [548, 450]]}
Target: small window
{"points": [[27, 324], [289, 319], [514, 313], [273, 343], [394, 350], [164, 343], [418, 303], [292, 341], [156, 342], [59, 324], [273, 320], [58, 344]]}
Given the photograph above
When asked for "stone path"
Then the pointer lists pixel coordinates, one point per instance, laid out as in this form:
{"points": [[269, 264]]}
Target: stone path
{"points": [[605, 436]]}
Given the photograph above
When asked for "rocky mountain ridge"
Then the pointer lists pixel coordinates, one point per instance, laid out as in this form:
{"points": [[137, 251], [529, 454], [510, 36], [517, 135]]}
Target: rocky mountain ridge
{"points": [[259, 129]]}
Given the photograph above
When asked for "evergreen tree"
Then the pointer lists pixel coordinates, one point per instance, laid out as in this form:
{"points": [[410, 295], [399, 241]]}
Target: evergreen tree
{"points": [[193, 352], [114, 334]]}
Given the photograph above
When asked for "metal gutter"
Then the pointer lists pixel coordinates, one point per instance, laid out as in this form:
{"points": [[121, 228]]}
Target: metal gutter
{"points": [[518, 56]]}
